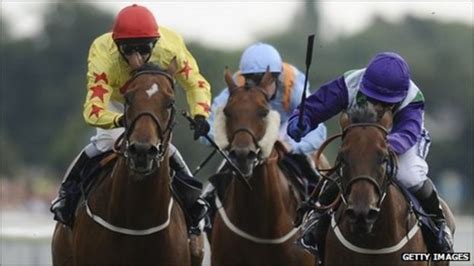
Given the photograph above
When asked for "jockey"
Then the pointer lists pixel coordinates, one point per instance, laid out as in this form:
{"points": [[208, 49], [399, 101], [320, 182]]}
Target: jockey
{"points": [[289, 85], [385, 84], [135, 40], [288, 88]]}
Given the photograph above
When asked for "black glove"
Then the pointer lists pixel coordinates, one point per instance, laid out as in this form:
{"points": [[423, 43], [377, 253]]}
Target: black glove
{"points": [[120, 121], [201, 126]]}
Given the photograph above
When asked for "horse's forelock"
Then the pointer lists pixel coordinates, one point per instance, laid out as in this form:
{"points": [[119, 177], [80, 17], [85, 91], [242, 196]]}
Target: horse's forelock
{"points": [[366, 114]]}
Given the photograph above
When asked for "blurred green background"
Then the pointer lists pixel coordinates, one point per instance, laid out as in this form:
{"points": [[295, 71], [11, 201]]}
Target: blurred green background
{"points": [[43, 88]]}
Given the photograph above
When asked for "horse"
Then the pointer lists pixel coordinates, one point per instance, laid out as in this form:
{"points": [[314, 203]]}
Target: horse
{"points": [[130, 216], [254, 226], [374, 224]]}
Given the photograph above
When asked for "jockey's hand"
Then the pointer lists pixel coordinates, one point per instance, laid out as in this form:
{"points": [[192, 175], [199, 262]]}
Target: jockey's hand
{"points": [[296, 132], [201, 126], [121, 121]]}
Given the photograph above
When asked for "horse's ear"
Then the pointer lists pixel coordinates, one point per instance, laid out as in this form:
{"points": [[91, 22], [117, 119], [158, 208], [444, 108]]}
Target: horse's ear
{"points": [[172, 67], [267, 83], [344, 120], [229, 80], [387, 119]]}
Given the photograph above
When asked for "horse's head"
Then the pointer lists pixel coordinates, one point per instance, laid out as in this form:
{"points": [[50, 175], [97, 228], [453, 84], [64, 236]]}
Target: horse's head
{"points": [[246, 126], [149, 117], [366, 165]]}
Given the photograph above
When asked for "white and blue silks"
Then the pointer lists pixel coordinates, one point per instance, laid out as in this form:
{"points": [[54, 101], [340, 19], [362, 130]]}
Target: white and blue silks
{"points": [[308, 145]]}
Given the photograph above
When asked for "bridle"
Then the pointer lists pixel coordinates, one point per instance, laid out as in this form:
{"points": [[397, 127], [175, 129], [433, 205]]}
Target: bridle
{"points": [[164, 133], [344, 189], [258, 152]]}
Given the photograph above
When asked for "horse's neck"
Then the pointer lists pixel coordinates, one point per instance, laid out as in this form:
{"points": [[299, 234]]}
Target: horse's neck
{"points": [[268, 202], [129, 197]]}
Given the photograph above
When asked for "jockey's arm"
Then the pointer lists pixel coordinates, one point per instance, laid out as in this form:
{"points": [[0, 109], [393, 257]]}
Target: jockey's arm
{"points": [[329, 100], [198, 90], [99, 91], [406, 127], [219, 102]]}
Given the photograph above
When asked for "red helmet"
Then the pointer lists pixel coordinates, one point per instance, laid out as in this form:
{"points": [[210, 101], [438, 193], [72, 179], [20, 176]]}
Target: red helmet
{"points": [[135, 22]]}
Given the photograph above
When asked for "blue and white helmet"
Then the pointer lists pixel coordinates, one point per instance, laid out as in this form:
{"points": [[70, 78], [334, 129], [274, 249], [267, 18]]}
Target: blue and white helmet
{"points": [[257, 57]]}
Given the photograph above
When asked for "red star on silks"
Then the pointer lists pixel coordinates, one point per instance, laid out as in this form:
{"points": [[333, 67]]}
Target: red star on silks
{"points": [[186, 69], [205, 106], [98, 91], [101, 76], [95, 110], [201, 83]]}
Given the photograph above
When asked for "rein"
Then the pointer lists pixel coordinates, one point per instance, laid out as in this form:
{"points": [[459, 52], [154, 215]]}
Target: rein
{"points": [[379, 251], [245, 235]]}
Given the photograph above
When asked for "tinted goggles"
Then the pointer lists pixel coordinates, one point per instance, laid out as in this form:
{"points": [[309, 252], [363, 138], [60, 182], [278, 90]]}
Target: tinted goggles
{"points": [[143, 49]]}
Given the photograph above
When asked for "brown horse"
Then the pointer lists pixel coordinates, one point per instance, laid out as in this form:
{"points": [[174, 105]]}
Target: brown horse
{"points": [[130, 217], [375, 224], [254, 227]]}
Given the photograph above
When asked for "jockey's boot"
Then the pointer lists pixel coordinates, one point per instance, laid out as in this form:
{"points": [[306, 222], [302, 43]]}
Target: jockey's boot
{"points": [[430, 201], [315, 226], [189, 191], [69, 194]]}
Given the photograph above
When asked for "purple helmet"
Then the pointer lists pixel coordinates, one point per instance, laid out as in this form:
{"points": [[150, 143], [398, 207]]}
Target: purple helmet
{"points": [[386, 78]]}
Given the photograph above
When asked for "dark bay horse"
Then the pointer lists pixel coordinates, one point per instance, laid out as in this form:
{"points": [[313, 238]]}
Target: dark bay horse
{"points": [[375, 225], [254, 227], [130, 216]]}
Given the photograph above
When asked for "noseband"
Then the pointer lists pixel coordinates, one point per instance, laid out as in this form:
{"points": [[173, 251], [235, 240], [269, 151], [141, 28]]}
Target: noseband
{"points": [[254, 140]]}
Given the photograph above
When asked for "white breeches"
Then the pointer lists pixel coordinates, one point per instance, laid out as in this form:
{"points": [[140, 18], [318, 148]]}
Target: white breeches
{"points": [[412, 166]]}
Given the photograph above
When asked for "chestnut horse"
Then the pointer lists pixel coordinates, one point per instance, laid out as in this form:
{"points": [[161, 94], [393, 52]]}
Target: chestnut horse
{"points": [[375, 225], [130, 216], [254, 226]]}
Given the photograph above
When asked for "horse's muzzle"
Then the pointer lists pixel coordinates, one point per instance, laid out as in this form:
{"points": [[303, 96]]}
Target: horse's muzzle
{"points": [[245, 159], [361, 220], [141, 157]]}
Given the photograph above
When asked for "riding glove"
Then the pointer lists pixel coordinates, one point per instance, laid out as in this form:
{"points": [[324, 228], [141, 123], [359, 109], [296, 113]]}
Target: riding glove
{"points": [[201, 126], [296, 132]]}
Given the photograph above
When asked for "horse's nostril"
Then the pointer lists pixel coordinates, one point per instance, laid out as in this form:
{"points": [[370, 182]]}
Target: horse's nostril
{"points": [[140, 148], [251, 156], [372, 214], [351, 214], [153, 151]]}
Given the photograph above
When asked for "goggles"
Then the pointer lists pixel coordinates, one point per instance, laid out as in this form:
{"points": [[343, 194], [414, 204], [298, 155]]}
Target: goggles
{"points": [[142, 49]]}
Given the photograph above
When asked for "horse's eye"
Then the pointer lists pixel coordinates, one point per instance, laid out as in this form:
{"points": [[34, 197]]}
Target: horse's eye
{"points": [[263, 113], [341, 159], [171, 103], [226, 112], [128, 98]]}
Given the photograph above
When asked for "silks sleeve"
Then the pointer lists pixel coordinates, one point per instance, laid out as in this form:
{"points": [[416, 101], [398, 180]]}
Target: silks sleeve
{"points": [[197, 88], [99, 90]]}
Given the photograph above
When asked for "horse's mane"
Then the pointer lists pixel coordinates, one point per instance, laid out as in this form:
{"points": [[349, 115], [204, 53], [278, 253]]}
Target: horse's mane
{"points": [[365, 114]]}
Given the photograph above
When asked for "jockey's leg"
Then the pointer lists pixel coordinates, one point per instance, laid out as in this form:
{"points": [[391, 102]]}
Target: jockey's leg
{"points": [[430, 201], [209, 195], [64, 205], [189, 192], [316, 225], [412, 173]]}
